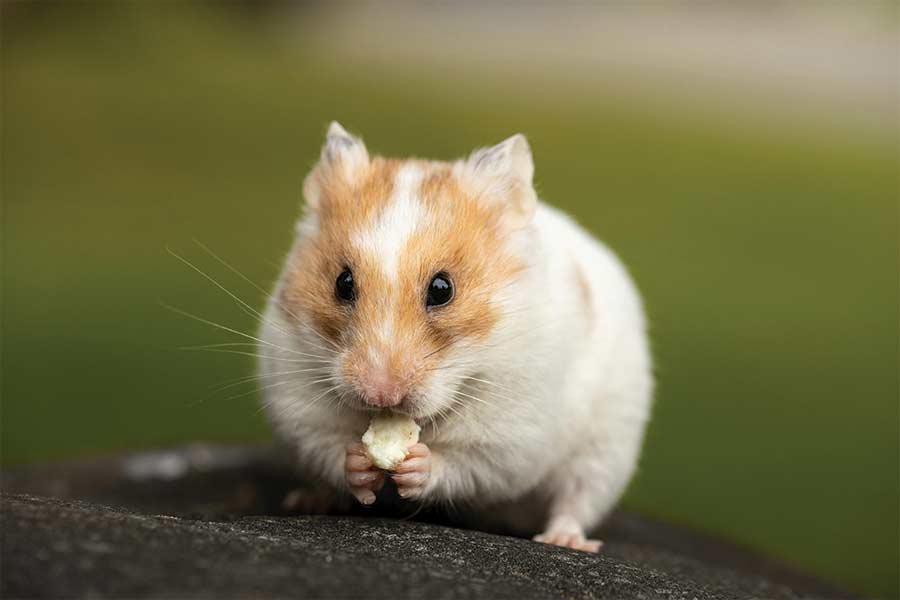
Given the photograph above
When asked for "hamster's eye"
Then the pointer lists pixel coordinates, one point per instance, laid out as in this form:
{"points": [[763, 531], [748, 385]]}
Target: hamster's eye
{"points": [[344, 288], [440, 290]]}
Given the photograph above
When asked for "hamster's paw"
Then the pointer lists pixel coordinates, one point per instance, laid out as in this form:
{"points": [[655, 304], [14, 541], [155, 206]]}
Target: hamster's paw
{"points": [[568, 540], [566, 532], [412, 475], [362, 476]]}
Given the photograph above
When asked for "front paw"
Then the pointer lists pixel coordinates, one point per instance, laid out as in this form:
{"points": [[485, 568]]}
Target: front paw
{"points": [[363, 477], [413, 474]]}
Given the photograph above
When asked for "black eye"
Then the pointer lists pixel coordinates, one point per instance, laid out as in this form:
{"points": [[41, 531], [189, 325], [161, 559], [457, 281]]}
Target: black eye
{"points": [[344, 288], [440, 290]]}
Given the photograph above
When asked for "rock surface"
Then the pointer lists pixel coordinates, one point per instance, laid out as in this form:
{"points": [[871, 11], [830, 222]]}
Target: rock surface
{"points": [[201, 545]]}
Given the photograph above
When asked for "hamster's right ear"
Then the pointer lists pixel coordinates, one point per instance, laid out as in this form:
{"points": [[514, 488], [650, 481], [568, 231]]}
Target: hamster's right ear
{"points": [[343, 157], [505, 172]]}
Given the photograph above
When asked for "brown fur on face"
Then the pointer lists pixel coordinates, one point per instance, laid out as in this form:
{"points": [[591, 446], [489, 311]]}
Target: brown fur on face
{"points": [[344, 207], [464, 236]]}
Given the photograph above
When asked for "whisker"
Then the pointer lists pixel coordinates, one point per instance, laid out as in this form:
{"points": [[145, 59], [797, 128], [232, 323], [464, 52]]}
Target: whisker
{"points": [[259, 376], [257, 355], [441, 368], [441, 413], [231, 330], [486, 403], [434, 425], [266, 387], [225, 264], [452, 409], [502, 387], [257, 390], [317, 346], [418, 509], [243, 305], [231, 268], [222, 345], [496, 394], [292, 390], [251, 345], [341, 400], [331, 343], [439, 348], [312, 402], [252, 311]]}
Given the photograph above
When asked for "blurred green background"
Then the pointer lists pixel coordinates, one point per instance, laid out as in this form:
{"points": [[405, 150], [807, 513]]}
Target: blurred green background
{"points": [[756, 208]]}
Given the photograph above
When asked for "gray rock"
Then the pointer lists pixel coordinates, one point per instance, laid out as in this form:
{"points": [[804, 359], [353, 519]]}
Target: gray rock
{"points": [[216, 536]]}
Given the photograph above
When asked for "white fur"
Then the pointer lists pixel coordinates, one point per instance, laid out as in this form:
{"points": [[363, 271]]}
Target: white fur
{"points": [[558, 428], [387, 236]]}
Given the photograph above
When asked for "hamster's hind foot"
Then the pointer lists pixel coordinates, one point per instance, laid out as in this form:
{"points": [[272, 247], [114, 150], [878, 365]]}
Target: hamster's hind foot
{"points": [[566, 532]]}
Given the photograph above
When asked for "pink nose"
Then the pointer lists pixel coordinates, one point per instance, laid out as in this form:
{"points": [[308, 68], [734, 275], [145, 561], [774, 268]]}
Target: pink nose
{"points": [[381, 391]]}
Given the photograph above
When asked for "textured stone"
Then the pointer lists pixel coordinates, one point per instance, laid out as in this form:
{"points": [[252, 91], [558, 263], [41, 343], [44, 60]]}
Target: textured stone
{"points": [[210, 544]]}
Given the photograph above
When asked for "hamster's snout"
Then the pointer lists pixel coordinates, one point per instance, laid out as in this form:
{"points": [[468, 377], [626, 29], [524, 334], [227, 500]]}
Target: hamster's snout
{"points": [[381, 390], [383, 374]]}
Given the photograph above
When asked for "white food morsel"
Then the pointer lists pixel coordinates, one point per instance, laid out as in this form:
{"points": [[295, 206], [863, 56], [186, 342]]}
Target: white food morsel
{"points": [[388, 437]]}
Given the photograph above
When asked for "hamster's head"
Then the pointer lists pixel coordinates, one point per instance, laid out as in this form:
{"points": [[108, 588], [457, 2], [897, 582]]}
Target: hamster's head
{"points": [[402, 269]]}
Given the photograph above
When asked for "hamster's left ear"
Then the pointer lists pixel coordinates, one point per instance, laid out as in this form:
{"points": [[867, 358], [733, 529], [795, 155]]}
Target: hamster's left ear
{"points": [[505, 172], [342, 158]]}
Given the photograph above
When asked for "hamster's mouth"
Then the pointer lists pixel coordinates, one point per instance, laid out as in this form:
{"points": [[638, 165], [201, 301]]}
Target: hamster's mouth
{"points": [[420, 420], [404, 408]]}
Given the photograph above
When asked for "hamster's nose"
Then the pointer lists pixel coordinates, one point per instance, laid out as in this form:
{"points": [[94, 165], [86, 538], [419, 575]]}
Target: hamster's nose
{"points": [[381, 391]]}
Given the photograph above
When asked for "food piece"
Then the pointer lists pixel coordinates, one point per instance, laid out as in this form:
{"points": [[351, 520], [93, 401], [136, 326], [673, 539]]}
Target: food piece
{"points": [[388, 437]]}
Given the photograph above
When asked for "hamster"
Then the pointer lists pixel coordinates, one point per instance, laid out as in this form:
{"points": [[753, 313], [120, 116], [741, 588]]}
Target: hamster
{"points": [[449, 292]]}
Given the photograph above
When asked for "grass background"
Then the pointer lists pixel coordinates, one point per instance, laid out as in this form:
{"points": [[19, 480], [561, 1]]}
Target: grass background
{"points": [[767, 256]]}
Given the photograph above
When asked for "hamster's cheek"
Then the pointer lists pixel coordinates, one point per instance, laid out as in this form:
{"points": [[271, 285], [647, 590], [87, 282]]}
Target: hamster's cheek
{"points": [[437, 391]]}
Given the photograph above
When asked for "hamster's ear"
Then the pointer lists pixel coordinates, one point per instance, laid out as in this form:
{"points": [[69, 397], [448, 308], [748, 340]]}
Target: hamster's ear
{"points": [[505, 172], [343, 157], [343, 148]]}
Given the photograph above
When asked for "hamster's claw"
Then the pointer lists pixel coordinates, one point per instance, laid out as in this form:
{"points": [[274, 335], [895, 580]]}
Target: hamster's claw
{"points": [[363, 478], [412, 475]]}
